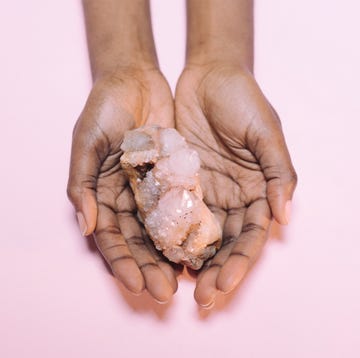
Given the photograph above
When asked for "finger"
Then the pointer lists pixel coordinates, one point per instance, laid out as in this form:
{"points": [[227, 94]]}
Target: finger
{"points": [[162, 112], [84, 168], [114, 248], [169, 274], [163, 264], [206, 287], [205, 290], [156, 281], [280, 175], [220, 215], [247, 247]]}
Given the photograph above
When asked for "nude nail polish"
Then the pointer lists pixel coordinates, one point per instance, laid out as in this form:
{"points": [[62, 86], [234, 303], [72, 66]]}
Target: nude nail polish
{"points": [[208, 306], [82, 223]]}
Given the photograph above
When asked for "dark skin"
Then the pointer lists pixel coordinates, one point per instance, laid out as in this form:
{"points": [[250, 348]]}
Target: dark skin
{"points": [[239, 178], [112, 108], [128, 91], [246, 172]]}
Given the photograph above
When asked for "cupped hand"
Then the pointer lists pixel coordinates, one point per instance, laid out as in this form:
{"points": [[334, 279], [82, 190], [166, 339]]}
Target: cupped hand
{"points": [[246, 172], [97, 186]]}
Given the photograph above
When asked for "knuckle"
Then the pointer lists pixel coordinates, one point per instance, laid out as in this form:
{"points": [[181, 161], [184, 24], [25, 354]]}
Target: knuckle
{"points": [[292, 178], [253, 227], [76, 187], [72, 192], [276, 116]]}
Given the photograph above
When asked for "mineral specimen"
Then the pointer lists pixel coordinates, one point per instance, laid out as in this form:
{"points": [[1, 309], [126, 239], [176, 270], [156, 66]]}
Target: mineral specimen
{"points": [[163, 174]]}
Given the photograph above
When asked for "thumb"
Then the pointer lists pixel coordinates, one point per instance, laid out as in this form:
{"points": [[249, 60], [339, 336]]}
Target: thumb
{"points": [[279, 173], [84, 168]]}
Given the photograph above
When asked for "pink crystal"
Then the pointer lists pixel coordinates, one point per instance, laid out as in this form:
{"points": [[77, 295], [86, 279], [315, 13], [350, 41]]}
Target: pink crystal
{"points": [[163, 174]]}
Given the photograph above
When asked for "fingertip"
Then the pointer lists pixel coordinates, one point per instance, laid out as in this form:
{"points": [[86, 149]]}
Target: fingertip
{"points": [[157, 284], [162, 302], [281, 212], [137, 289], [170, 275], [277, 201], [162, 294], [82, 223], [281, 183], [134, 285], [205, 290], [205, 298], [89, 210], [232, 274], [280, 218], [209, 306]]}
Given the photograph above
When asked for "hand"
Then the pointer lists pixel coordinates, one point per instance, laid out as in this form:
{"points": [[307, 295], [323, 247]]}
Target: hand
{"points": [[246, 172], [98, 187]]}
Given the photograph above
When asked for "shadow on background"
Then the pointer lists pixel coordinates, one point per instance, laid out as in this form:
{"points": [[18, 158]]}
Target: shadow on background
{"points": [[144, 303], [224, 302]]}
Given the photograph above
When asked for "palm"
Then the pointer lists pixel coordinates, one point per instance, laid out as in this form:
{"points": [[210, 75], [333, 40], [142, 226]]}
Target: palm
{"points": [[114, 106], [231, 177], [217, 113], [134, 101]]}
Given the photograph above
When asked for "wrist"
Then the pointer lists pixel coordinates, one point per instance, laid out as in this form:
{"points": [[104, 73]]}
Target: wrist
{"points": [[119, 35], [218, 53], [219, 31], [125, 63]]}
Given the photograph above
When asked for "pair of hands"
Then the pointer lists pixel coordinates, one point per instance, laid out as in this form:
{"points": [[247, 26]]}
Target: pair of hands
{"points": [[246, 172]]}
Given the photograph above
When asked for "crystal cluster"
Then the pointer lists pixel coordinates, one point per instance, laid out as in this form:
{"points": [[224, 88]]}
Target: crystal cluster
{"points": [[163, 174]]}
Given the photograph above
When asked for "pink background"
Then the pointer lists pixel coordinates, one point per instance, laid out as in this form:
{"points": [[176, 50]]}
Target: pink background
{"points": [[301, 300]]}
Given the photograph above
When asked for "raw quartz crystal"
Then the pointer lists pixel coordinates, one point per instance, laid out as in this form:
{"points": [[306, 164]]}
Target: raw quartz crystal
{"points": [[163, 174]]}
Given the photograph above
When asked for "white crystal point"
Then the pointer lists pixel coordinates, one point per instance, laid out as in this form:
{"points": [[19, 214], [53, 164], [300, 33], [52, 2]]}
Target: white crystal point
{"points": [[171, 141], [163, 174]]}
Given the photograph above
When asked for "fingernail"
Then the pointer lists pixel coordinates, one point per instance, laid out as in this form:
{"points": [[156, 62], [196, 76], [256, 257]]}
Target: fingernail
{"points": [[226, 292], [288, 211], [209, 306], [82, 223]]}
